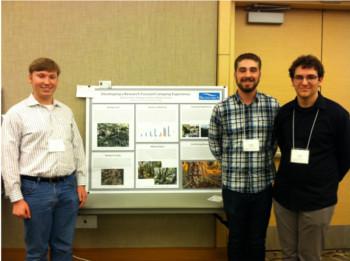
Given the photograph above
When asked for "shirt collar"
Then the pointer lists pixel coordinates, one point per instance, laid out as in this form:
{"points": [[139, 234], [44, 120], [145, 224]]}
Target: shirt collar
{"points": [[320, 102], [31, 101], [238, 99]]}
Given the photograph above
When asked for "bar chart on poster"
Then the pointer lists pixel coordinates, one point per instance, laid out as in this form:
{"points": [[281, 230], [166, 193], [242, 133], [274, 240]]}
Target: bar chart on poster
{"points": [[147, 147]]}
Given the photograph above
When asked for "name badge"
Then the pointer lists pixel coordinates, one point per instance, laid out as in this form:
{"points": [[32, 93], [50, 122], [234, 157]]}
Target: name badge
{"points": [[56, 145], [251, 145], [300, 156]]}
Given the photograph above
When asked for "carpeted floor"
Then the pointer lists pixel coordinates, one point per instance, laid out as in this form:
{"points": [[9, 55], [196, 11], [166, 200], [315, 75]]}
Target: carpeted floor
{"points": [[328, 255]]}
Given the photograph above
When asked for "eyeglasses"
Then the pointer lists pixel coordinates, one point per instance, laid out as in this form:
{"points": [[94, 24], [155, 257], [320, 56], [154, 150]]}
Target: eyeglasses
{"points": [[309, 78]]}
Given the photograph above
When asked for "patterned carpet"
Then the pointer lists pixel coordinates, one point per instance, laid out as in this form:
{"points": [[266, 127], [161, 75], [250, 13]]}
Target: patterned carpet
{"points": [[328, 255]]}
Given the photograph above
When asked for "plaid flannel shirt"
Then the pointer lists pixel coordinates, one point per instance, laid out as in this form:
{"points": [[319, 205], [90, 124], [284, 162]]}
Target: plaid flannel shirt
{"points": [[230, 123]]}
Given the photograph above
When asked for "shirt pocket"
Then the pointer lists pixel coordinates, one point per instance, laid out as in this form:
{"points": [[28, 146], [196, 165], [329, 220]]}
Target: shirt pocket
{"points": [[232, 135], [264, 131], [62, 127], [34, 138], [35, 129]]}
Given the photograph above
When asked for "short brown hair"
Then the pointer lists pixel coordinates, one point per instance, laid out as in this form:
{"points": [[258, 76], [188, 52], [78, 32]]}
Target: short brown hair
{"points": [[44, 64], [307, 61], [248, 56]]}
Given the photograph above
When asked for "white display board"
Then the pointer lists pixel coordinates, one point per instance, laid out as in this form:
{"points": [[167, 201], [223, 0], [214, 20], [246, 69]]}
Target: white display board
{"points": [[146, 138]]}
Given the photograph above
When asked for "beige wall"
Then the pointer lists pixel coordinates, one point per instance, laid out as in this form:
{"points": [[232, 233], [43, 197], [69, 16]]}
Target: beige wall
{"points": [[278, 46], [130, 43], [321, 33]]}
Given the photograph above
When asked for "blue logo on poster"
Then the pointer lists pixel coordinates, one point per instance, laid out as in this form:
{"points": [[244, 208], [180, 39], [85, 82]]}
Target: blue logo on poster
{"points": [[209, 96]]}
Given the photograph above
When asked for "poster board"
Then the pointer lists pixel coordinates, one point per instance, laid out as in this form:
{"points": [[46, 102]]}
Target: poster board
{"points": [[147, 147]]}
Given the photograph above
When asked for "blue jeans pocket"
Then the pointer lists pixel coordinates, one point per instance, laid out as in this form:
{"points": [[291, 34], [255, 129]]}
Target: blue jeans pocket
{"points": [[28, 187], [72, 181]]}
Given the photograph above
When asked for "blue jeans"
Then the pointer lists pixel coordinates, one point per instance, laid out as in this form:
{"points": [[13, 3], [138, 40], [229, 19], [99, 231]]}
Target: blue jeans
{"points": [[54, 208], [248, 217]]}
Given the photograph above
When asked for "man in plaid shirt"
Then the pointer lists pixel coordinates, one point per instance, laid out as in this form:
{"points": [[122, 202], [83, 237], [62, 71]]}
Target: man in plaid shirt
{"points": [[240, 136]]}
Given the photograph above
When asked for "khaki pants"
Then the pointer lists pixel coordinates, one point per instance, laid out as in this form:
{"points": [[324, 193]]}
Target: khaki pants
{"points": [[301, 234]]}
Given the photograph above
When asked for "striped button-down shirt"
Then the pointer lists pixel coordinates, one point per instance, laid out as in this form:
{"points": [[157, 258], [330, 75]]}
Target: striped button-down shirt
{"points": [[26, 131], [230, 123]]}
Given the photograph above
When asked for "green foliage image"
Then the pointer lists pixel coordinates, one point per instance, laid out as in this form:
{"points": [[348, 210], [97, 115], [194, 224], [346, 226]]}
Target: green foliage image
{"points": [[189, 130], [112, 176], [112, 134], [165, 176], [146, 169]]}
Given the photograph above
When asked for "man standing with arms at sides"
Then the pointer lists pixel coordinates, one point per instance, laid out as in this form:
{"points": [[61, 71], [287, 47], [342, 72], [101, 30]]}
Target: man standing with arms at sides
{"points": [[313, 134], [240, 136], [43, 166]]}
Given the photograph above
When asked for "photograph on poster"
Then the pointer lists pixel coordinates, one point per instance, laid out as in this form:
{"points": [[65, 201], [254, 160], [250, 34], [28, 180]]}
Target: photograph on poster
{"points": [[112, 176], [165, 176], [157, 165], [201, 174], [190, 131], [204, 130], [146, 169], [112, 170], [194, 120], [112, 127], [157, 123], [112, 134]]}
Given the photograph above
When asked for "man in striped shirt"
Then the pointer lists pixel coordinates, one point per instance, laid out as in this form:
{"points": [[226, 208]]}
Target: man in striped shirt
{"points": [[43, 166], [240, 136]]}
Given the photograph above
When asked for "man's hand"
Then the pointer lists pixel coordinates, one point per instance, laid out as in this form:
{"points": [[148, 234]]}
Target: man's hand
{"points": [[21, 209], [82, 194]]}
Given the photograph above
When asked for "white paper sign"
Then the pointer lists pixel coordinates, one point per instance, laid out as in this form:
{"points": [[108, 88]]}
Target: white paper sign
{"points": [[215, 198], [105, 84], [85, 91]]}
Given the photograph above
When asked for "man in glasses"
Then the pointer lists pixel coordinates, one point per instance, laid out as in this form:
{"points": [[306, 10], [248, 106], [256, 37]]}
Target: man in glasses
{"points": [[240, 136], [43, 166], [313, 134]]}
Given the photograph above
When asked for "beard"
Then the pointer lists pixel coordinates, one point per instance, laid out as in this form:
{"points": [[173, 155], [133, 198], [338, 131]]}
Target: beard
{"points": [[247, 89]]}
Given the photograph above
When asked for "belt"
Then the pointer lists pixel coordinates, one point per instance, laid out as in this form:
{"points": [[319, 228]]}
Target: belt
{"points": [[45, 179]]}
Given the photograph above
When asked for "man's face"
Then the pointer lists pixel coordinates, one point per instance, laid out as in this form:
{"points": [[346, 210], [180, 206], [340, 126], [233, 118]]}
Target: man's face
{"points": [[44, 85], [306, 82], [247, 75]]}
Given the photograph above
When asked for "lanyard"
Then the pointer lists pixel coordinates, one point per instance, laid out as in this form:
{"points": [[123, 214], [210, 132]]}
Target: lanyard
{"points": [[312, 128]]}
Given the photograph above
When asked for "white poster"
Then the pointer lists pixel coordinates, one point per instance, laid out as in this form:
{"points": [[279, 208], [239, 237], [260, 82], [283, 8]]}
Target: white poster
{"points": [[157, 166], [151, 138], [112, 170], [112, 127]]}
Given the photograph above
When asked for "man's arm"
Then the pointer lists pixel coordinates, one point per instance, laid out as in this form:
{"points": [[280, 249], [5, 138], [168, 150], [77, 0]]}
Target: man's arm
{"points": [[11, 134], [11, 139], [343, 146], [80, 163], [215, 133]]}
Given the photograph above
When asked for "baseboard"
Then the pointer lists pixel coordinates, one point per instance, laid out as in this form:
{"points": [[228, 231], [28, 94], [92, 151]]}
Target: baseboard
{"points": [[133, 254]]}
